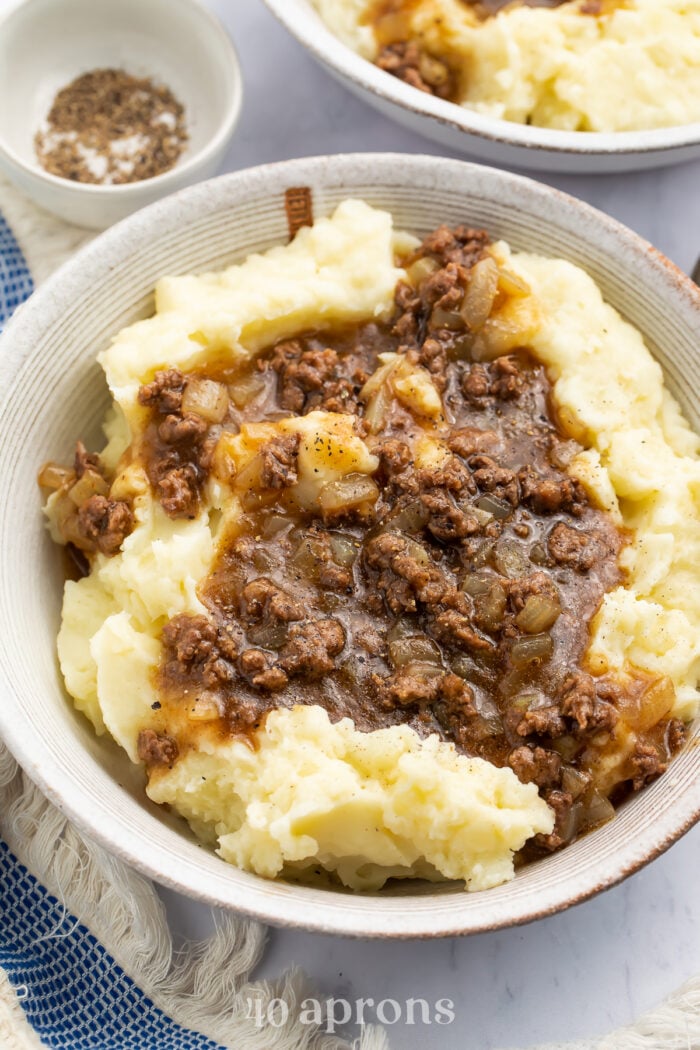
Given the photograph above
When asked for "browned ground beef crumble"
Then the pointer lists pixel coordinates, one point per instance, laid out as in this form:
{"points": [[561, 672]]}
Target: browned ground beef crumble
{"points": [[458, 603]]}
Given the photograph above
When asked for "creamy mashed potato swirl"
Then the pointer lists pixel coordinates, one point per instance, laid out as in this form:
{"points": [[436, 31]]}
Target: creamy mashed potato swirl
{"points": [[369, 805]]}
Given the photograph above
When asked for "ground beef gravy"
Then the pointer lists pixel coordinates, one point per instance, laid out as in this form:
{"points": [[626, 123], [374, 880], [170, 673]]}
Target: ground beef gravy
{"points": [[455, 599]]}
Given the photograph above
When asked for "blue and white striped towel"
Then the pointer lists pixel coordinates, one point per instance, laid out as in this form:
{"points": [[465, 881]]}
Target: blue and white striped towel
{"points": [[16, 283]]}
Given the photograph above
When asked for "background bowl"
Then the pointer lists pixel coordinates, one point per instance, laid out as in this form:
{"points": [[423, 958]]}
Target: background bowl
{"points": [[497, 141], [53, 392], [45, 44]]}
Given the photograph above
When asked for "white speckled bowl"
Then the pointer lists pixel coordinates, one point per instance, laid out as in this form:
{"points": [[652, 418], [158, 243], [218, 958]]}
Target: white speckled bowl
{"points": [[53, 391], [489, 139], [45, 44]]}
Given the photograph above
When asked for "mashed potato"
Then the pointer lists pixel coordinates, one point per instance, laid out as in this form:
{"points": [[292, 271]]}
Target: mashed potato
{"points": [[635, 66], [369, 806]]}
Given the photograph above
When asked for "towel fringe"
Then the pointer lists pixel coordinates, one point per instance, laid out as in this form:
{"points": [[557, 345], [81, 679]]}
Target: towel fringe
{"points": [[205, 985]]}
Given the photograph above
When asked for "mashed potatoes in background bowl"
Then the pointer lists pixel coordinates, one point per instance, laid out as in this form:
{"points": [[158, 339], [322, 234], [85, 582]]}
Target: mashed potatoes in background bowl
{"points": [[52, 388], [530, 78]]}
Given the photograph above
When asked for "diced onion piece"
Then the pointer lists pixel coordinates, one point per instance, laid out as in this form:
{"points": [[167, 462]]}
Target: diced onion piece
{"points": [[348, 493], [510, 559], [344, 550], [510, 326], [376, 411], [418, 271], [62, 508], [249, 482], [379, 378], [411, 518], [66, 517], [538, 554], [572, 823], [643, 711], [423, 669], [511, 284], [598, 810], [246, 389], [402, 628], [498, 508], [562, 452], [477, 582], [465, 667], [656, 703], [450, 319], [414, 648], [484, 517], [205, 708], [574, 781], [308, 556], [524, 701], [533, 649], [417, 551], [91, 484], [417, 392], [538, 614], [480, 294], [54, 476], [224, 461], [491, 607], [205, 398], [72, 533], [483, 553], [571, 424], [274, 524]]}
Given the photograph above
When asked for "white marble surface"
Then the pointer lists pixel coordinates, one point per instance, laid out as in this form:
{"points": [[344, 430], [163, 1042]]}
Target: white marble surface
{"points": [[599, 965]]}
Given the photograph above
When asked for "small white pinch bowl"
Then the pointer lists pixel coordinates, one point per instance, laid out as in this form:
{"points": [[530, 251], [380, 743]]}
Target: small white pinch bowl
{"points": [[53, 392], [487, 138], [45, 44]]}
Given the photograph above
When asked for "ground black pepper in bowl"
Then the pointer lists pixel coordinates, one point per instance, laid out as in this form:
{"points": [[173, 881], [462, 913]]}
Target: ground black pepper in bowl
{"points": [[109, 127]]}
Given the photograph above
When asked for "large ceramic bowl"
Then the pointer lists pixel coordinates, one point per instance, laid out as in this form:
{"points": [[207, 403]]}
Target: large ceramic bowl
{"points": [[496, 141], [52, 391]]}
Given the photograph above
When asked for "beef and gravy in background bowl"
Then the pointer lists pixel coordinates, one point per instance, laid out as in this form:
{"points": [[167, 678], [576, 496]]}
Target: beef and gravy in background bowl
{"points": [[579, 85], [381, 544]]}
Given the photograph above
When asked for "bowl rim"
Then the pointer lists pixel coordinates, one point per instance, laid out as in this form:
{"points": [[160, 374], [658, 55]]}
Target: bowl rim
{"points": [[276, 902], [308, 28], [231, 69]]}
